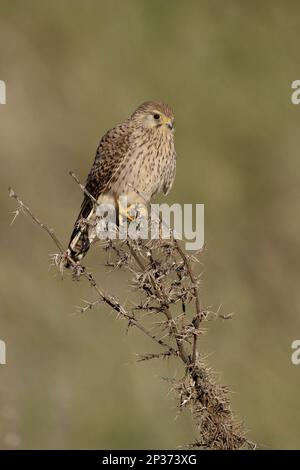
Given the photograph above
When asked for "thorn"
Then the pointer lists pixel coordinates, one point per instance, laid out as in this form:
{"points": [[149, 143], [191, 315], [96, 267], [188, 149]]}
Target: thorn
{"points": [[16, 212], [11, 192]]}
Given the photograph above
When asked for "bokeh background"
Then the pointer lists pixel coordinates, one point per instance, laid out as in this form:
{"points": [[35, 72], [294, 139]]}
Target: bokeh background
{"points": [[72, 70]]}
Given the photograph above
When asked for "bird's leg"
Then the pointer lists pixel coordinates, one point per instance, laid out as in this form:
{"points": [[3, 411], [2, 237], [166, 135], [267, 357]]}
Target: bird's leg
{"points": [[125, 215], [133, 212]]}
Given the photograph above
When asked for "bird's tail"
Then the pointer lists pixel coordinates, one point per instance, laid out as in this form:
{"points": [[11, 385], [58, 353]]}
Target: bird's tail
{"points": [[83, 234], [79, 245], [79, 242]]}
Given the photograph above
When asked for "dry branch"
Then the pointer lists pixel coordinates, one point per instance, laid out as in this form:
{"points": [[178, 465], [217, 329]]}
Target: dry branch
{"points": [[164, 276]]}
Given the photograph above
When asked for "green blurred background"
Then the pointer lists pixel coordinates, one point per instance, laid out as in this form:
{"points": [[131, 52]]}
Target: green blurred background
{"points": [[72, 70]]}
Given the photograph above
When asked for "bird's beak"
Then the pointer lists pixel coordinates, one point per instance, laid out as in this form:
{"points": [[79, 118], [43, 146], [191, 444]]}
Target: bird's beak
{"points": [[169, 123]]}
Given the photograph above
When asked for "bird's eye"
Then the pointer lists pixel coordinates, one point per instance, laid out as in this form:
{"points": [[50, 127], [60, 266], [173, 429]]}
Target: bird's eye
{"points": [[156, 116]]}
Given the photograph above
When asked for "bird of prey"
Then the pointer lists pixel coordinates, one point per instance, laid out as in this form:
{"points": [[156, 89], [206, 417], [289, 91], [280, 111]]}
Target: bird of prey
{"points": [[135, 157]]}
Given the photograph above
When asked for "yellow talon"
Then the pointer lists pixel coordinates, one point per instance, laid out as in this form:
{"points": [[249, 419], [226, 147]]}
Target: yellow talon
{"points": [[125, 213], [132, 212]]}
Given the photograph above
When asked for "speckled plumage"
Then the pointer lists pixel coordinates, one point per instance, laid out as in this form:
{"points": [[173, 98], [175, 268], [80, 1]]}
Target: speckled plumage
{"points": [[139, 153]]}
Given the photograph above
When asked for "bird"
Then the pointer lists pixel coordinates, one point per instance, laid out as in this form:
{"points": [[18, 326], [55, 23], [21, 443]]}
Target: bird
{"points": [[136, 159]]}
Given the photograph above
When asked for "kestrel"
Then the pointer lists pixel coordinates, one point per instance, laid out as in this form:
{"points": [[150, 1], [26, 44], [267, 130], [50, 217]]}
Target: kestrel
{"points": [[137, 157]]}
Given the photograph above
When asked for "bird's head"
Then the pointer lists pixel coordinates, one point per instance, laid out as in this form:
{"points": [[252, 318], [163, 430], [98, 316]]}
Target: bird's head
{"points": [[154, 115]]}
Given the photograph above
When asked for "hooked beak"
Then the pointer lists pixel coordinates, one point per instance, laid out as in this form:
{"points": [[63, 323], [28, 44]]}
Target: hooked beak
{"points": [[169, 124]]}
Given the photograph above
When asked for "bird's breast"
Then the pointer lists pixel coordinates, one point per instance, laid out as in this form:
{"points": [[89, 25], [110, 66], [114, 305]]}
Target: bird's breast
{"points": [[144, 168]]}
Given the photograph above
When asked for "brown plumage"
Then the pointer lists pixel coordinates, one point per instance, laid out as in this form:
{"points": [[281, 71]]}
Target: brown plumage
{"points": [[137, 153]]}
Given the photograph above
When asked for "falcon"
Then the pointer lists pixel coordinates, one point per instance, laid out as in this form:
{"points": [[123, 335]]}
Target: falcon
{"points": [[136, 159]]}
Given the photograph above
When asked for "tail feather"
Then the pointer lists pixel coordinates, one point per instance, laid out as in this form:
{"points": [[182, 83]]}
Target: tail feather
{"points": [[79, 245], [83, 234], [79, 242]]}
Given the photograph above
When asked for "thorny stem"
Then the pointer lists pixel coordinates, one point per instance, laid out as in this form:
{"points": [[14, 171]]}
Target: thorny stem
{"points": [[164, 304], [83, 188], [199, 313], [207, 400], [109, 300], [184, 356], [26, 209]]}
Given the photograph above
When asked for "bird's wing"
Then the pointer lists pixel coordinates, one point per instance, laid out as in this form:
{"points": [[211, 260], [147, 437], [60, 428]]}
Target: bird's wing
{"points": [[170, 176], [111, 151]]}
